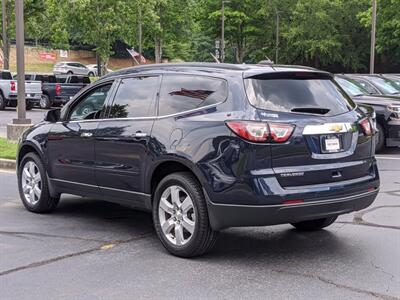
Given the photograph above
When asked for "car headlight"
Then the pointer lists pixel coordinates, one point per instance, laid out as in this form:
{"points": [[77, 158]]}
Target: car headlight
{"points": [[395, 110]]}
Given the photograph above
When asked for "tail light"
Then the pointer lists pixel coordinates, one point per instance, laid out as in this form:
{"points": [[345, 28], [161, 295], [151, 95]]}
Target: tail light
{"points": [[260, 132], [58, 89], [12, 86], [366, 126]]}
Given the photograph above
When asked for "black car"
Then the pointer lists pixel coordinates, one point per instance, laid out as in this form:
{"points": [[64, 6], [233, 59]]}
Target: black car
{"points": [[206, 147], [376, 84], [387, 111]]}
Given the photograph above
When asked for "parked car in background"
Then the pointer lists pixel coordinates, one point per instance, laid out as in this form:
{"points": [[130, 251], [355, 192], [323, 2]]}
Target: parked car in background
{"points": [[48, 88], [205, 147], [393, 77], [71, 67], [93, 69], [387, 111], [376, 84], [8, 91], [66, 87]]}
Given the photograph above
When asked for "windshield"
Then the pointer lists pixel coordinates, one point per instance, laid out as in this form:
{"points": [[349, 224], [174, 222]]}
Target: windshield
{"points": [[387, 86], [350, 88], [298, 95]]}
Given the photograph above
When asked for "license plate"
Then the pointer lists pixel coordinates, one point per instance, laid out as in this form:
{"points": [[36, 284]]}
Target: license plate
{"points": [[331, 143]]}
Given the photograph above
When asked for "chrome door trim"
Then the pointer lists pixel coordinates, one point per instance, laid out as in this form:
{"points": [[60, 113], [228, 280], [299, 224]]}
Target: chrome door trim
{"points": [[96, 186]]}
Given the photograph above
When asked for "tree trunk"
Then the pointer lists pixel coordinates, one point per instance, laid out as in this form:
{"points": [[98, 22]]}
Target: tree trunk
{"points": [[158, 50], [99, 68]]}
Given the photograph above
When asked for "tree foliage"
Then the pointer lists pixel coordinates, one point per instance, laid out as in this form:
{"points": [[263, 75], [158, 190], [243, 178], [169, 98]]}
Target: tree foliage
{"points": [[330, 34]]}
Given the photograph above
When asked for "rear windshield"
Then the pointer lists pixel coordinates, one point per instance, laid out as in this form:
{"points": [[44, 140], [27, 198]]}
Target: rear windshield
{"points": [[6, 75], [296, 93]]}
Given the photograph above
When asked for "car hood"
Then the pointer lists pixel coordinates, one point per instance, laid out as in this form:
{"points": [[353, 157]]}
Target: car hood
{"points": [[377, 100]]}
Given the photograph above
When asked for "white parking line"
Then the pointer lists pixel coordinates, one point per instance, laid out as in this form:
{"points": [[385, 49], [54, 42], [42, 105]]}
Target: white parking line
{"points": [[387, 157], [7, 171]]}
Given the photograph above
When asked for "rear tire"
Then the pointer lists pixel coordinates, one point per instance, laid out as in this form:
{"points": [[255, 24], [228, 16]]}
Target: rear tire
{"points": [[33, 185], [2, 102], [380, 138], [45, 102], [314, 225], [91, 74], [70, 73], [182, 225]]}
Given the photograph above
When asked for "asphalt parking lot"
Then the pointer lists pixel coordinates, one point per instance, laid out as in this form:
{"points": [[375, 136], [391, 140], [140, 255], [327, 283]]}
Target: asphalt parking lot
{"points": [[89, 249], [7, 115]]}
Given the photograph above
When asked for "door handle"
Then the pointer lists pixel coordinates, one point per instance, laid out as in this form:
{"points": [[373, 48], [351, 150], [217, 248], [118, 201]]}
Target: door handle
{"points": [[86, 134]]}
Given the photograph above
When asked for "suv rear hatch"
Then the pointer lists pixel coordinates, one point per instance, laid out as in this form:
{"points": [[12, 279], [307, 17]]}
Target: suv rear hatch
{"points": [[330, 139]]}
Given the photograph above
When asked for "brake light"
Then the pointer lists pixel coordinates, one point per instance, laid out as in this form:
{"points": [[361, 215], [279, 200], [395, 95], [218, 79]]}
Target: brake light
{"points": [[261, 132], [12, 86], [58, 89], [366, 126], [280, 133]]}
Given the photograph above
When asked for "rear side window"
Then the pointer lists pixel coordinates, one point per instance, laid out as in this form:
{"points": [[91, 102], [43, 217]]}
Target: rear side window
{"points": [[135, 98], [298, 93], [74, 79], [181, 93]]}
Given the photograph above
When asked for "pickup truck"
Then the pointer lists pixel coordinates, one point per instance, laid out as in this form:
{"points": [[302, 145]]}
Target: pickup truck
{"points": [[57, 89], [8, 91]]}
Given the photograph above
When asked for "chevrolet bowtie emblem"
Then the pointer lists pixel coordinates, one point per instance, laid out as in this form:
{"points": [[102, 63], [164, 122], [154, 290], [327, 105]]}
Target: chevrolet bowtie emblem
{"points": [[336, 128]]}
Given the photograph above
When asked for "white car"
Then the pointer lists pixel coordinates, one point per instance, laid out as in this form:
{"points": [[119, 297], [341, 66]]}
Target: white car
{"points": [[93, 69], [71, 67]]}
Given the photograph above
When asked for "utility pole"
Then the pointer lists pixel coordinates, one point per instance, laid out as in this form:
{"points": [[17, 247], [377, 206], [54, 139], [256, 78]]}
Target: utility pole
{"points": [[5, 42], [222, 31], [277, 37], [20, 39], [20, 124], [140, 35], [373, 38]]}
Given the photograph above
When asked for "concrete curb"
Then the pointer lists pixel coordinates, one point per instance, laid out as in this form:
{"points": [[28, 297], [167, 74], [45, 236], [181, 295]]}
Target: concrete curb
{"points": [[8, 164]]}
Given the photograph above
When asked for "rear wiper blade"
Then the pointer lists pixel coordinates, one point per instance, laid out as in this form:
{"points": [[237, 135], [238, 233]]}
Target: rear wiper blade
{"points": [[311, 110]]}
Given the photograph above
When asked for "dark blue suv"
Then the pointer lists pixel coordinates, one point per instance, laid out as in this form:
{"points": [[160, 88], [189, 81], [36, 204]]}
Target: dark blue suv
{"points": [[206, 147]]}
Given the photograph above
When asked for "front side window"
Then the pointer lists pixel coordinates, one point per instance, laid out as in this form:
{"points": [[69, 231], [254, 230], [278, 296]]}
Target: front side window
{"points": [[135, 98], [181, 93], [91, 105]]}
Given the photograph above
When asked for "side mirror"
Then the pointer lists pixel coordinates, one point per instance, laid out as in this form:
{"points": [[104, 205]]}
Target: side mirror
{"points": [[53, 115]]}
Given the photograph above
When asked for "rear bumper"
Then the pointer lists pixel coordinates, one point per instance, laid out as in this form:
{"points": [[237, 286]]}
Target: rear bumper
{"points": [[224, 215]]}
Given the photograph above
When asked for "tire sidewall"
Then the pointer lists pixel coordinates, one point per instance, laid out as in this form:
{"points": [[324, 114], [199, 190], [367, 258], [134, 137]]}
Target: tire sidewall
{"points": [[380, 143], [191, 245], [33, 157], [47, 102], [2, 102]]}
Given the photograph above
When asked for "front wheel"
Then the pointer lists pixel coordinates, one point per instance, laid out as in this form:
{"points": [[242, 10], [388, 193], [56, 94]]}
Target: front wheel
{"points": [[29, 105], [313, 225], [180, 216], [33, 186], [380, 138]]}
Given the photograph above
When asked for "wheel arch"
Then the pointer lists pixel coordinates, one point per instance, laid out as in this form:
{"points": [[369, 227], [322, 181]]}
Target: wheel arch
{"points": [[29, 147], [168, 166]]}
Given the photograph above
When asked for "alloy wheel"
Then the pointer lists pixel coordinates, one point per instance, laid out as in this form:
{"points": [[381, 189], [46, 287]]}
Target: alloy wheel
{"points": [[31, 182], [177, 215]]}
